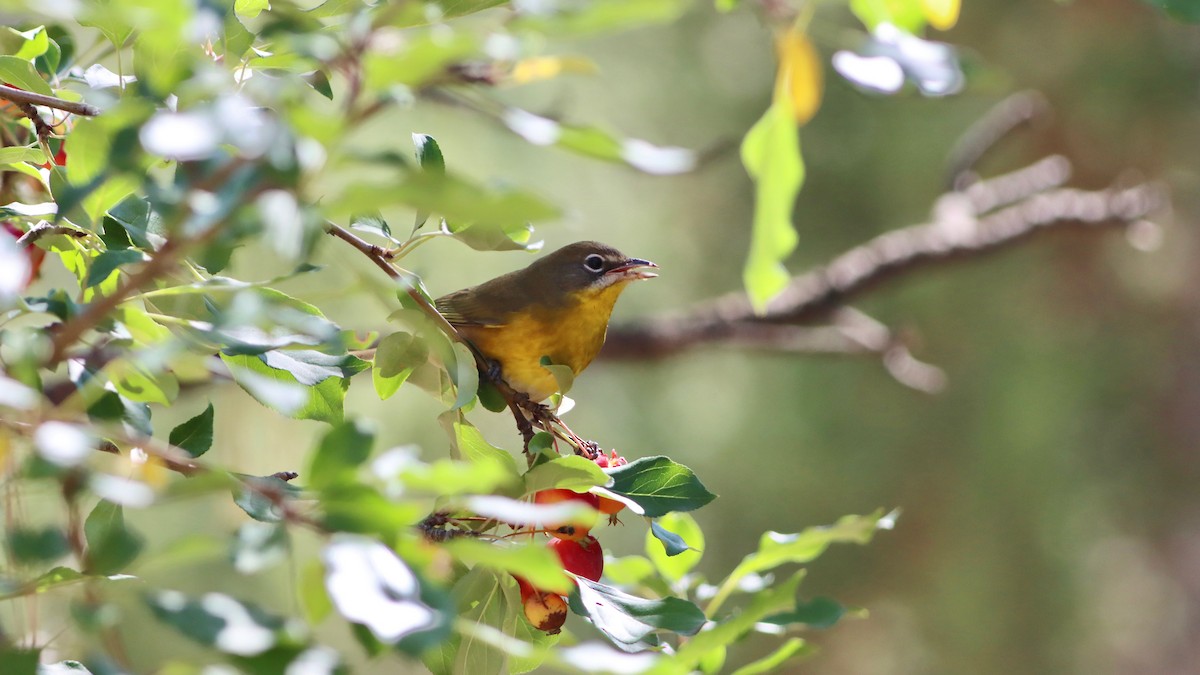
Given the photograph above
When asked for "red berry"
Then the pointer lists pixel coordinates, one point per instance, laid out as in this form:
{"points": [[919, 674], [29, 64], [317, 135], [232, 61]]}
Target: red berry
{"points": [[571, 530], [583, 557]]}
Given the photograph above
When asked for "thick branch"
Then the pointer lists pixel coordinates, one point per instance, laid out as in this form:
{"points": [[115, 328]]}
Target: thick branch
{"points": [[956, 233]]}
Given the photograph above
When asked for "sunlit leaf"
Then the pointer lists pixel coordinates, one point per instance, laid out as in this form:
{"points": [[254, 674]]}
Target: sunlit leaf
{"points": [[943, 14], [396, 357], [628, 619], [21, 73], [571, 472], [297, 383], [370, 585], [659, 486], [533, 561], [771, 154], [907, 14], [726, 632]]}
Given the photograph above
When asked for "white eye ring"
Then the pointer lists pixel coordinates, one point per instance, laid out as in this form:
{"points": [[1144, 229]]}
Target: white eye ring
{"points": [[594, 262]]}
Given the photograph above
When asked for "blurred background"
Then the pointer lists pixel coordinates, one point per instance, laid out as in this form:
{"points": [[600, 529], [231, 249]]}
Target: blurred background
{"points": [[1050, 504]]}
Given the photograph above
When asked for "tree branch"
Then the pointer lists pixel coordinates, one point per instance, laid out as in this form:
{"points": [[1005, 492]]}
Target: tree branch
{"points": [[20, 96], [955, 233]]}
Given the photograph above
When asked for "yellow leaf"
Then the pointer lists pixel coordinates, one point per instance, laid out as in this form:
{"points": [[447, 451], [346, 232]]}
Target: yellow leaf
{"points": [[799, 77], [942, 14], [549, 67]]}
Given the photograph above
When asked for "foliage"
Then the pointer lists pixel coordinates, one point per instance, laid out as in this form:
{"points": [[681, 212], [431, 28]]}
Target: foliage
{"points": [[226, 124]]}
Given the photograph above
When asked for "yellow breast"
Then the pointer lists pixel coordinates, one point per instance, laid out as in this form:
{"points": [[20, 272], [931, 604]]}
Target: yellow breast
{"points": [[570, 336]]}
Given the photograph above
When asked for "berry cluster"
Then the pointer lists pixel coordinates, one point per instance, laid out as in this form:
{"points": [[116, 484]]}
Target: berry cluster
{"points": [[579, 552]]}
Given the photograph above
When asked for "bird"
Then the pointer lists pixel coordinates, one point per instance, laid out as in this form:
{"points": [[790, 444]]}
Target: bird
{"points": [[558, 308]]}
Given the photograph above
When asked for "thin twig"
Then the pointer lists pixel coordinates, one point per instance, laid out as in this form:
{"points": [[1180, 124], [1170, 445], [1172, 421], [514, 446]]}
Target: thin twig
{"points": [[1005, 117], [20, 96]]}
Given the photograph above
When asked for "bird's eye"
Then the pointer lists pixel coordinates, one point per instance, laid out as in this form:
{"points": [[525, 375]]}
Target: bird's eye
{"points": [[594, 263]]}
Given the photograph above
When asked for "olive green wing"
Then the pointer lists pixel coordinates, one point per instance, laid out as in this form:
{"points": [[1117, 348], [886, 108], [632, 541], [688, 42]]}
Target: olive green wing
{"points": [[483, 305]]}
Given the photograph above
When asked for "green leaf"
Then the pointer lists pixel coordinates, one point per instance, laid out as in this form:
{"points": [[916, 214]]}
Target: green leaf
{"points": [[494, 236], [218, 620], [36, 43], [672, 543], [659, 486], [536, 563], [429, 154], [135, 216], [21, 153], [770, 663], [775, 549], [771, 154], [18, 661], [21, 73], [256, 495], [564, 377], [339, 454], [395, 358], [820, 612], [725, 633], [30, 545], [195, 435], [298, 383], [627, 619], [360, 508], [475, 448], [91, 143], [682, 542], [107, 262], [447, 477], [250, 8], [907, 14], [482, 600], [111, 546], [490, 397], [463, 373], [571, 472], [137, 383], [420, 59], [102, 15]]}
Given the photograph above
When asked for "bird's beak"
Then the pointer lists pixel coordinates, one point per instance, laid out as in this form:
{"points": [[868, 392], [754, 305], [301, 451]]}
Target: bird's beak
{"points": [[633, 269]]}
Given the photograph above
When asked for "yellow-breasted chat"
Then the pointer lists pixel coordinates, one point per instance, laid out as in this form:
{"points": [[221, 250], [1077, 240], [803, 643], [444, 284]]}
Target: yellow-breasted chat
{"points": [[557, 307]]}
